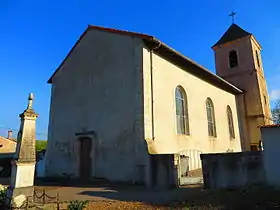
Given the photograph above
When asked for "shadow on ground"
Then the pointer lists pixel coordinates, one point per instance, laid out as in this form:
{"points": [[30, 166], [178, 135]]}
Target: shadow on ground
{"points": [[153, 196], [65, 182], [193, 196], [196, 197]]}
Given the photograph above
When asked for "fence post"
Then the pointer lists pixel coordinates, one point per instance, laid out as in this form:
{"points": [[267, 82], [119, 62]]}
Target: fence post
{"points": [[27, 201], [34, 195], [57, 201], [44, 196]]}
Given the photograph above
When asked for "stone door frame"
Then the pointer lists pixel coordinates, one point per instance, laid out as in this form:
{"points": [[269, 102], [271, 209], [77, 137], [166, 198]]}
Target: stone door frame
{"points": [[91, 136]]}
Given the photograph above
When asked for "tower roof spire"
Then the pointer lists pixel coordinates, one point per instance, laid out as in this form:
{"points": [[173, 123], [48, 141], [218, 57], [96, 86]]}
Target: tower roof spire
{"points": [[234, 32]]}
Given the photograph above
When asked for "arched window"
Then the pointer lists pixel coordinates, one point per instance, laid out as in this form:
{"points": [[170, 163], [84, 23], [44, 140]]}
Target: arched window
{"points": [[257, 58], [182, 111], [211, 118], [233, 60], [230, 123]]}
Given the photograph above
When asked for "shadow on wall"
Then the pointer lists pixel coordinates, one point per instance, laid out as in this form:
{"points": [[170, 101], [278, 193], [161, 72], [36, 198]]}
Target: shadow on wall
{"points": [[233, 170], [6, 167]]}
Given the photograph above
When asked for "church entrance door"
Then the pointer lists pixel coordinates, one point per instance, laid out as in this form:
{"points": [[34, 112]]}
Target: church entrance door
{"points": [[85, 158]]}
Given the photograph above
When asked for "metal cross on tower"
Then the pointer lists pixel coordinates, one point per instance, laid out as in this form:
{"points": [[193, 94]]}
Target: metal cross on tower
{"points": [[232, 15]]}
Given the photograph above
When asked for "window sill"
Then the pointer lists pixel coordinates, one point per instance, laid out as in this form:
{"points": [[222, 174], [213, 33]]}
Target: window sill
{"points": [[234, 67]]}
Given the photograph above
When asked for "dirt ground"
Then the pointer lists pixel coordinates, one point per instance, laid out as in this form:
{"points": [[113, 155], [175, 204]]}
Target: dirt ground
{"points": [[118, 193], [119, 196], [189, 197]]}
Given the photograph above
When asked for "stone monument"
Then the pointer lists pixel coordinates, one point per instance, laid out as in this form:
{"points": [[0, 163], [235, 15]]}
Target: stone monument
{"points": [[23, 165]]}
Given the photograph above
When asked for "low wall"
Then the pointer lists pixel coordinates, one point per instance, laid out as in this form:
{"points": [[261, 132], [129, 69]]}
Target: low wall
{"points": [[271, 145], [232, 170], [6, 166]]}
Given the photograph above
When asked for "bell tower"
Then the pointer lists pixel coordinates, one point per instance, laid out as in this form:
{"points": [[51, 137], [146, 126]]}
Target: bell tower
{"points": [[238, 61]]}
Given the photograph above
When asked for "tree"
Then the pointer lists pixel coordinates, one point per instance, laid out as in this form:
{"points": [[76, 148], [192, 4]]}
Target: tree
{"points": [[41, 145], [276, 112]]}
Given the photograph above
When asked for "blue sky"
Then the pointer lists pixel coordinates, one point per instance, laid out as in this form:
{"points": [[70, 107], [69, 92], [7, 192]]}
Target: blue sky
{"points": [[36, 36]]}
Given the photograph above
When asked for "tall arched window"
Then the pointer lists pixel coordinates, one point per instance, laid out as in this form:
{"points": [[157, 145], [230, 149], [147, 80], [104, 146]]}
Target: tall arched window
{"points": [[211, 118], [233, 60], [230, 122], [182, 111]]}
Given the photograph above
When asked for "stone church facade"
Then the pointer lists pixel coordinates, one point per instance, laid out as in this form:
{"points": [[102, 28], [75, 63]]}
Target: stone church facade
{"points": [[127, 107]]}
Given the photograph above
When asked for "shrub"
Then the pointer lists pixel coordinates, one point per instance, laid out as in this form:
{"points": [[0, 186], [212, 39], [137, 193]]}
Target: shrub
{"points": [[77, 205], [3, 191]]}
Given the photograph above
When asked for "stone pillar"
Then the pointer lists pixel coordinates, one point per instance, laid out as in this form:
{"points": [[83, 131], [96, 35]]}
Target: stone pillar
{"points": [[23, 165]]}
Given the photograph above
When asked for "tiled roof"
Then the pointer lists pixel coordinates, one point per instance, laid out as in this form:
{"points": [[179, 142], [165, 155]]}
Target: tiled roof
{"points": [[4, 138], [234, 32], [168, 53]]}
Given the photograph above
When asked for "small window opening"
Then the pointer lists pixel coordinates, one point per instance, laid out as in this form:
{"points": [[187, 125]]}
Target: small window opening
{"points": [[233, 61], [257, 57]]}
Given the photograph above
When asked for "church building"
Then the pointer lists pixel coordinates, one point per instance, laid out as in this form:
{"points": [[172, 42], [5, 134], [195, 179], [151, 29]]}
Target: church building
{"points": [[127, 107]]}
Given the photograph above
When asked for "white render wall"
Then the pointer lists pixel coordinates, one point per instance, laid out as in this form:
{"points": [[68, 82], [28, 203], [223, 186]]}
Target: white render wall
{"points": [[23, 175], [99, 89], [105, 86], [166, 77]]}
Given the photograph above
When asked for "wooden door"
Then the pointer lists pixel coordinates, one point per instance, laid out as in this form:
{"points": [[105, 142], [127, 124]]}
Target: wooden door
{"points": [[85, 158]]}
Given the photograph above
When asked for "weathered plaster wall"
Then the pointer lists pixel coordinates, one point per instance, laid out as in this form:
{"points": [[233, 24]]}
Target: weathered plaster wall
{"points": [[8, 146], [232, 170], [99, 89], [271, 146], [243, 125], [249, 77], [166, 77], [26, 147]]}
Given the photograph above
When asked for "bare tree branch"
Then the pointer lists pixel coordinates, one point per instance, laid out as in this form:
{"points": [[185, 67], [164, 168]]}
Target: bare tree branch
{"points": [[276, 113]]}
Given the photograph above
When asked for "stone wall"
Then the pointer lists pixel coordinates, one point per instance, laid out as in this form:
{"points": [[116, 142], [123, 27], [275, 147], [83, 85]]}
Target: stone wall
{"points": [[271, 145], [7, 145], [248, 76], [232, 170], [98, 90]]}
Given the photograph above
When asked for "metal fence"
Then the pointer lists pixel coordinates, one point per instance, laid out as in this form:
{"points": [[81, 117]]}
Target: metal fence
{"points": [[37, 200], [44, 198]]}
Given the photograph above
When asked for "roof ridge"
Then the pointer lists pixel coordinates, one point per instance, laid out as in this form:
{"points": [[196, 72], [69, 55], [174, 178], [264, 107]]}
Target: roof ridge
{"points": [[154, 41], [113, 30], [13, 139]]}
